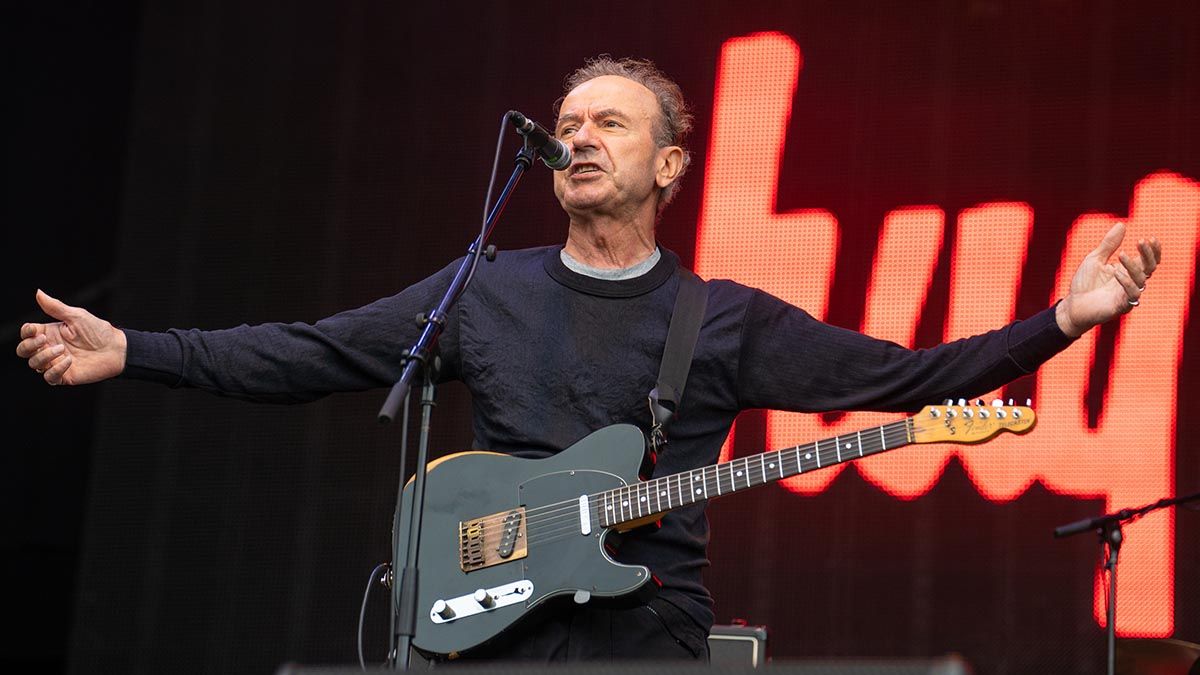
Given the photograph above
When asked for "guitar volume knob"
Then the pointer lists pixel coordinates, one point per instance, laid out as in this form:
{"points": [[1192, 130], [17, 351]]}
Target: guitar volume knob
{"points": [[484, 598], [443, 610]]}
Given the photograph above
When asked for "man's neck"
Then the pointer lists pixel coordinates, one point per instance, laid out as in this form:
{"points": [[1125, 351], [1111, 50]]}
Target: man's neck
{"points": [[609, 244]]}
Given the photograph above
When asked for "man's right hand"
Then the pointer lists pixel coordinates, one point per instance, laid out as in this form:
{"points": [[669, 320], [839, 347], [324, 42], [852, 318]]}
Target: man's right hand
{"points": [[79, 348]]}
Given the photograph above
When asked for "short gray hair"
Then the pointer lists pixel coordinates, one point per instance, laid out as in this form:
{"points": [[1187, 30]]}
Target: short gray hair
{"points": [[674, 122]]}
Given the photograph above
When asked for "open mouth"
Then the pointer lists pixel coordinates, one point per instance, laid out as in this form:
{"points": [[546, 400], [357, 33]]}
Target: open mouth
{"points": [[580, 169]]}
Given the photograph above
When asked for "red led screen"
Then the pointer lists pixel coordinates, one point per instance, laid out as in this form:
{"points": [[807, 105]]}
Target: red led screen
{"points": [[1127, 459]]}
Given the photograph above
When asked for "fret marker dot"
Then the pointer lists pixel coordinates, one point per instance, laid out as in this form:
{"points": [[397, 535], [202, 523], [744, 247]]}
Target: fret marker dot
{"points": [[739, 473], [663, 493], [625, 503], [771, 465], [610, 507], [698, 490], [695, 477], [643, 499], [808, 455], [847, 446]]}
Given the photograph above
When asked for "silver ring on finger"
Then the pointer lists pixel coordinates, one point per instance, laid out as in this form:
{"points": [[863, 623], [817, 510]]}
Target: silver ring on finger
{"points": [[1134, 303]]}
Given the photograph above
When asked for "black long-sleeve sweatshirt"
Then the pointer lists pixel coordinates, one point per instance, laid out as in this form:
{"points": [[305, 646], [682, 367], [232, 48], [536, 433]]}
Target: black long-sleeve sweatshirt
{"points": [[550, 355]]}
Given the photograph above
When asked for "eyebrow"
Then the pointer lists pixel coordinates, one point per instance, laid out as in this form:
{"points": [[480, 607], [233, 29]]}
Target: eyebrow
{"points": [[604, 112]]}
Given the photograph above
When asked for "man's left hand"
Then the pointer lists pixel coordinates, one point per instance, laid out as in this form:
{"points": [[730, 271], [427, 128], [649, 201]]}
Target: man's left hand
{"points": [[1102, 290]]}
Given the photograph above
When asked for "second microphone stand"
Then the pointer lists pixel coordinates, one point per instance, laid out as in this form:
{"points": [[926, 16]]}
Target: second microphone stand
{"points": [[1108, 527]]}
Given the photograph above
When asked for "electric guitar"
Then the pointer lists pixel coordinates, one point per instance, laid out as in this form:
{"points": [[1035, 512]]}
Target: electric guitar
{"points": [[502, 535]]}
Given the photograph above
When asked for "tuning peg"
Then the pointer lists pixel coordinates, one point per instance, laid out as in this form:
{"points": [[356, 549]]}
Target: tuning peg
{"points": [[996, 403], [1028, 402], [948, 401], [1010, 401], [979, 403], [962, 402]]}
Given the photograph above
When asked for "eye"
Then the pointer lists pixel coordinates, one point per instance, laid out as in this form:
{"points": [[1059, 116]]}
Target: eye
{"points": [[565, 131], [612, 123]]}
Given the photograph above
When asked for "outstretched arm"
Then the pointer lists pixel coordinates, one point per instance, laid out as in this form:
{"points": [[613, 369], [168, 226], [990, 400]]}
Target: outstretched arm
{"points": [[78, 348], [1103, 290]]}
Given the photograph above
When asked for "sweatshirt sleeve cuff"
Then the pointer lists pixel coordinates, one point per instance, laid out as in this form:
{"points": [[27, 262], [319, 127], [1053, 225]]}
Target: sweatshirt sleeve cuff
{"points": [[156, 357], [1033, 341]]}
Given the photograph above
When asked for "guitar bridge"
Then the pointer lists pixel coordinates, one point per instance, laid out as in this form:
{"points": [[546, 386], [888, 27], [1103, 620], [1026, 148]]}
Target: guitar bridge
{"points": [[492, 540]]}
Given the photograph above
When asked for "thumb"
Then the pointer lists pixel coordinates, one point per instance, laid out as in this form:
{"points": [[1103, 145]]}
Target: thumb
{"points": [[1111, 241], [55, 308]]}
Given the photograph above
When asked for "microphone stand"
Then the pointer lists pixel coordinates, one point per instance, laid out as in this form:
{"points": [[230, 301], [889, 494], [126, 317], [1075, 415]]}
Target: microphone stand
{"points": [[421, 359], [1108, 527]]}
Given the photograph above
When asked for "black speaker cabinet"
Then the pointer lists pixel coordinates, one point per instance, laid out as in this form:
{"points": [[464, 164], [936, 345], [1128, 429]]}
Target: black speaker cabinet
{"points": [[738, 645]]}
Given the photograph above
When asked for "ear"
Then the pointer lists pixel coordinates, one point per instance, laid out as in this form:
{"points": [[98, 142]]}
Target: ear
{"points": [[669, 165]]}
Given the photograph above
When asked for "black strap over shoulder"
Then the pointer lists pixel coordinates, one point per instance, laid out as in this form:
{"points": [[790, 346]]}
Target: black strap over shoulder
{"points": [[690, 302]]}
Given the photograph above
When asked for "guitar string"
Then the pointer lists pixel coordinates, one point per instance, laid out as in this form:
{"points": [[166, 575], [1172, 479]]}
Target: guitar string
{"points": [[675, 482], [558, 530], [639, 496], [912, 426], [567, 514], [563, 516], [570, 507]]}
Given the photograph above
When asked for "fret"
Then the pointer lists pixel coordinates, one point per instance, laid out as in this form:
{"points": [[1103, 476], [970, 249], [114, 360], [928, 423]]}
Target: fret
{"points": [[643, 499]]}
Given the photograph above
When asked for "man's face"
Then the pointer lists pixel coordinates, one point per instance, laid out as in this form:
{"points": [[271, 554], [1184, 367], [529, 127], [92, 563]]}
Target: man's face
{"points": [[609, 122]]}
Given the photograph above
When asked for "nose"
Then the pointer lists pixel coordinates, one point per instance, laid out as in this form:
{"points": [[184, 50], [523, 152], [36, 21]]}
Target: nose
{"points": [[582, 138]]}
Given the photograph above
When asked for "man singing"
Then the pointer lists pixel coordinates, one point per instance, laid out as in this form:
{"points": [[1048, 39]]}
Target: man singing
{"points": [[559, 341]]}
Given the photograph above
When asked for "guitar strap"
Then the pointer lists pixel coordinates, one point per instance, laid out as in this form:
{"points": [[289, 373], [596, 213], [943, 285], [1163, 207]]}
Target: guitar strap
{"points": [[690, 302]]}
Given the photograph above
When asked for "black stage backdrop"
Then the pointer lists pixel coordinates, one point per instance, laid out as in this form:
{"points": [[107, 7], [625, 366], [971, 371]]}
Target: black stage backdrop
{"points": [[223, 162]]}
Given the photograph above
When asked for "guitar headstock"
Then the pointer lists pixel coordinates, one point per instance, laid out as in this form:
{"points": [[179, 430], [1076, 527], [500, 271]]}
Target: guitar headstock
{"points": [[963, 422]]}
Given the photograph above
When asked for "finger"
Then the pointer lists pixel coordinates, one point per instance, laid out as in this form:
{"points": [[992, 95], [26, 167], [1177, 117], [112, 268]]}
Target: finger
{"points": [[52, 306], [44, 358], [1134, 267], [29, 346], [55, 374], [1149, 257], [1132, 292], [29, 330], [1111, 241]]}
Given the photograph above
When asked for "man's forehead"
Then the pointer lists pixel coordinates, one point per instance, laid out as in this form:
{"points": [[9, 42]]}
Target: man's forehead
{"points": [[610, 91]]}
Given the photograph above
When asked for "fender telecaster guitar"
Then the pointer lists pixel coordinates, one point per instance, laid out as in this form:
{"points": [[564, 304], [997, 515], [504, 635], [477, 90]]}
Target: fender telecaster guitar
{"points": [[502, 535]]}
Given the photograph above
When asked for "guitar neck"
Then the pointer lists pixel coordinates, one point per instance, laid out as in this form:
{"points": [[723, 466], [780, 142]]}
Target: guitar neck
{"points": [[647, 500]]}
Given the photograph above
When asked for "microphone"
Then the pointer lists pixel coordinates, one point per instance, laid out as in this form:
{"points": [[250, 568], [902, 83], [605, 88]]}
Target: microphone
{"points": [[553, 152]]}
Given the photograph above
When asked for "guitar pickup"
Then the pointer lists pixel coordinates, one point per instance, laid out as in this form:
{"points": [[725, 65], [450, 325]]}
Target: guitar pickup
{"points": [[492, 540]]}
